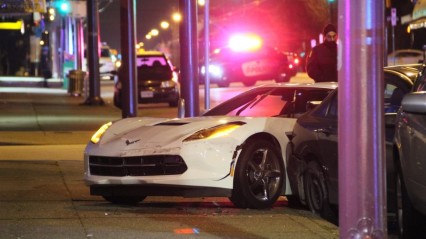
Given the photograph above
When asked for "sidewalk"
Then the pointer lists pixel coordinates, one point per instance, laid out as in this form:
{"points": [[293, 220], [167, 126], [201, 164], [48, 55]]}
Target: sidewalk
{"points": [[51, 115]]}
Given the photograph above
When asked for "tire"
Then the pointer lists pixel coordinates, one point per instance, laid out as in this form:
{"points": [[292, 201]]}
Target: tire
{"points": [[317, 193], [410, 221], [293, 201], [125, 200], [173, 103], [223, 84], [281, 79], [259, 175], [249, 83]]}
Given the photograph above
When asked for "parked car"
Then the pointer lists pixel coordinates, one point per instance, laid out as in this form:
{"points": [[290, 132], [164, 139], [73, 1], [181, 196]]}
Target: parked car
{"points": [[108, 62], [405, 56], [107, 66], [313, 151], [409, 155], [228, 65], [235, 150], [157, 80]]}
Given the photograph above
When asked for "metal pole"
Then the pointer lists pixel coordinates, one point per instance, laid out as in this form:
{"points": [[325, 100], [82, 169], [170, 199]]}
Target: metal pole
{"points": [[127, 74], [94, 97], [206, 55], [189, 57], [80, 43], [362, 201]]}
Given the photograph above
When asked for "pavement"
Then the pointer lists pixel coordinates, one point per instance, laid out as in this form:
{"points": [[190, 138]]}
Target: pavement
{"points": [[43, 132]]}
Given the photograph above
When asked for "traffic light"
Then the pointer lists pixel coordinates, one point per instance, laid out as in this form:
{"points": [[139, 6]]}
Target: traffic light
{"points": [[64, 7]]}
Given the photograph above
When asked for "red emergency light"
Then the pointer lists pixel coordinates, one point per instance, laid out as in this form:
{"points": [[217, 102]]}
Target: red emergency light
{"points": [[245, 42]]}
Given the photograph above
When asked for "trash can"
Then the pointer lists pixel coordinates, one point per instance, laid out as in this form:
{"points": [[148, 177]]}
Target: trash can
{"points": [[76, 82]]}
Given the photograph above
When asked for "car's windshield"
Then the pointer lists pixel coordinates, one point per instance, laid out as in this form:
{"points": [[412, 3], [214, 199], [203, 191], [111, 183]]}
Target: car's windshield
{"points": [[153, 68], [268, 102]]}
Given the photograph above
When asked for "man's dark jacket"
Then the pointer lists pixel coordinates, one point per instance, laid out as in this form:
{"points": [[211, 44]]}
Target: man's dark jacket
{"points": [[322, 62]]}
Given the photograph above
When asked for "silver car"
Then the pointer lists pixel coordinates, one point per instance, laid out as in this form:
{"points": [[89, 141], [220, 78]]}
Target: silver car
{"points": [[410, 161]]}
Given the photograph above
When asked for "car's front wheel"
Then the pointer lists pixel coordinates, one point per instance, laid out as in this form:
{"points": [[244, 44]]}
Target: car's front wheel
{"points": [[259, 175], [410, 221], [317, 193], [125, 200]]}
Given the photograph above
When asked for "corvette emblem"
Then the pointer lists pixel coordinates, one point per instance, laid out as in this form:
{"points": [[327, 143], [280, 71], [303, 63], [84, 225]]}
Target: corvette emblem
{"points": [[128, 142]]}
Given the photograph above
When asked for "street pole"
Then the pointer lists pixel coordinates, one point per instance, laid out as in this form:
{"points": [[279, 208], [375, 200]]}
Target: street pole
{"points": [[127, 74], [189, 57], [206, 55], [362, 200], [94, 97]]}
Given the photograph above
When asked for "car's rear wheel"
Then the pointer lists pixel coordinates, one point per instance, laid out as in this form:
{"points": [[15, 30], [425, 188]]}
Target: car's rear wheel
{"points": [[125, 200], [259, 175], [410, 221], [317, 193], [249, 82]]}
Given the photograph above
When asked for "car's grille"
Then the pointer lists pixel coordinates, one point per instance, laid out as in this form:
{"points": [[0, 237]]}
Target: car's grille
{"points": [[137, 166]]}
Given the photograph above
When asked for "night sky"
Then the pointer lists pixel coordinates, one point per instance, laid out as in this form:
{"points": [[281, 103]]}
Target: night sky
{"points": [[149, 14]]}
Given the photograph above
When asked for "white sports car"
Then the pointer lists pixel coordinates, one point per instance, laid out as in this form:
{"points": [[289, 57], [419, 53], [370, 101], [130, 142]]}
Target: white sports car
{"points": [[236, 150]]}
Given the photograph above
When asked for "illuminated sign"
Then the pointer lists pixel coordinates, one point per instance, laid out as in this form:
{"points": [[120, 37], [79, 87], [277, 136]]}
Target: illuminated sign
{"points": [[22, 6]]}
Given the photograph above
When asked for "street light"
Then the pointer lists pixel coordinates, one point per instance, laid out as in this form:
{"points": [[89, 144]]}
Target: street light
{"points": [[165, 24], [176, 17], [154, 32]]}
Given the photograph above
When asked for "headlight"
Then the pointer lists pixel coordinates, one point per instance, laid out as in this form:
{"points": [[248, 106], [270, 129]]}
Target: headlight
{"points": [[97, 136], [215, 71], [167, 84], [215, 132]]}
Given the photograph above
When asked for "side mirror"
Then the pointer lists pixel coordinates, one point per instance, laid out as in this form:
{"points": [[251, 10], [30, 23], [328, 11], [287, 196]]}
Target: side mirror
{"points": [[414, 102]]}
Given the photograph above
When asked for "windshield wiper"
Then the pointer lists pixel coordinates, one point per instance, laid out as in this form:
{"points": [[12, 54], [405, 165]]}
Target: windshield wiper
{"points": [[253, 101]]}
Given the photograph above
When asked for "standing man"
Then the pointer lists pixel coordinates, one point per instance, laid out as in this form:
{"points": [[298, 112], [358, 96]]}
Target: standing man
{"points": [[322, 61]]}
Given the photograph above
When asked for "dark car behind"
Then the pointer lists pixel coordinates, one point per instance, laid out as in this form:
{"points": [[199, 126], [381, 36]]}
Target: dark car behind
{"points": [[157, 80], [410, 160], [313, 150]]}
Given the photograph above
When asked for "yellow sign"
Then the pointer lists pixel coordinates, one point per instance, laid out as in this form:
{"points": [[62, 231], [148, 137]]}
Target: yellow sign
{"points": [[23, 6], [11, 25]]}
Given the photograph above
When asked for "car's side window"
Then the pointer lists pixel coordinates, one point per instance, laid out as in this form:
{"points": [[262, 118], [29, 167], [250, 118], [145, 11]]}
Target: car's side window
{"points": [[332, 111], [421, 83], [329, 109], [392, 97]]}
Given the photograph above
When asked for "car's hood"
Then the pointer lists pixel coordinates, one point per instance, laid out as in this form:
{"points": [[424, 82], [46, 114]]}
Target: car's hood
{"points": [[161, 129], [138, 133]]}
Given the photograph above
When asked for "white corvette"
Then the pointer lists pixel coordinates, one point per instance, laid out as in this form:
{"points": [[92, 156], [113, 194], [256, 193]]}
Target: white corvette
{"points": [[236, 150]]}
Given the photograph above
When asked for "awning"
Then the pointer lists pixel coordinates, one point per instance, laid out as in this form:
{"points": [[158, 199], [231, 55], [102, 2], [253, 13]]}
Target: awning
{"points": [[14, 7], [419, 15]]}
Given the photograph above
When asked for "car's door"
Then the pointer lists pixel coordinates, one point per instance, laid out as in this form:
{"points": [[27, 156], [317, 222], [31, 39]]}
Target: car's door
{"points": [[412, 134], [326, 132]]}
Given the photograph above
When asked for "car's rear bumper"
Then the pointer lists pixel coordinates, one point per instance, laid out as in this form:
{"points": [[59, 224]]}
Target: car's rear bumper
{"points": [[158, 95]]}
